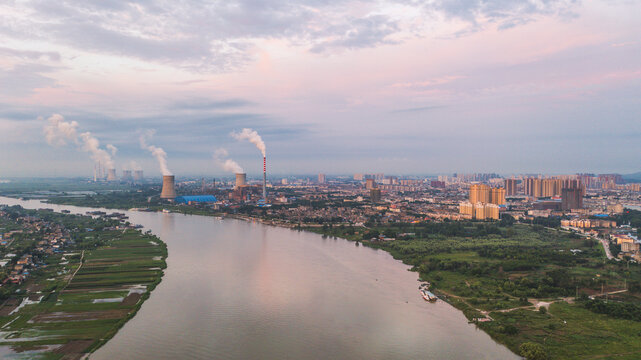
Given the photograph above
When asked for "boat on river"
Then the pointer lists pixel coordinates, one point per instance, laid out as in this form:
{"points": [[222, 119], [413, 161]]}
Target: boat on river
{"points": [[428, 296]]}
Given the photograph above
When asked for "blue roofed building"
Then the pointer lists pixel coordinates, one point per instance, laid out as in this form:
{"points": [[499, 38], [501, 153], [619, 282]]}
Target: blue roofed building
{"points": [[188, 199]]}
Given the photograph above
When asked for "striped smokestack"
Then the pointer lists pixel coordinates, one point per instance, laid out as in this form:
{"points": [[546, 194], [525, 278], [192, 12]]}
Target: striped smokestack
{"points": [[265, 178]]}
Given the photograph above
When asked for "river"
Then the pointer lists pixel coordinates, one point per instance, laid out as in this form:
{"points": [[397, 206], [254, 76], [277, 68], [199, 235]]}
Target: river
{"points": [[241, 290]]}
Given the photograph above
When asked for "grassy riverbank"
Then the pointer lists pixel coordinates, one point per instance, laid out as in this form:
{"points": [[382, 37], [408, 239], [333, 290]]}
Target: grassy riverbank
{"points": [[501, 275], [76, 299]]}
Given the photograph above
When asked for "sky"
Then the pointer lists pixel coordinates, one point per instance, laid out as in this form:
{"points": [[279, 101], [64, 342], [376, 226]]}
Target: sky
{"points": [[339, 87]]}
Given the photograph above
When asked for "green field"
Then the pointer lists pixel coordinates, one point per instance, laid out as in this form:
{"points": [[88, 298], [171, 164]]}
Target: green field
{"points": [[80, 298], [501, 273]]}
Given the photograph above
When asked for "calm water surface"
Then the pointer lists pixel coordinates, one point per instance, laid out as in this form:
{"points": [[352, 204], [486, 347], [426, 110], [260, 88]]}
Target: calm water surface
{"points": [[242, 290]]}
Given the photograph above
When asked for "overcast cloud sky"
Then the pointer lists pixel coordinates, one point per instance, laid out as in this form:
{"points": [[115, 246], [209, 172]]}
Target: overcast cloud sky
{"points": [[394, 86]]}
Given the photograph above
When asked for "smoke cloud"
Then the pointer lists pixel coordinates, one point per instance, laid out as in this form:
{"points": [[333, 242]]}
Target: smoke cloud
{"points": [[58, 132], [133, 166], [251, 136], [220, 156], [91, 145], [157, 152], [112, 149]]}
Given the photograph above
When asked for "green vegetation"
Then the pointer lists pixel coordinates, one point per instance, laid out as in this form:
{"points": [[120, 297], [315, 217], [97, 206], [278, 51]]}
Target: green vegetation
{"points": [[76, 299], [543, 292], [519, 282], [34, 187], [630, 217]]}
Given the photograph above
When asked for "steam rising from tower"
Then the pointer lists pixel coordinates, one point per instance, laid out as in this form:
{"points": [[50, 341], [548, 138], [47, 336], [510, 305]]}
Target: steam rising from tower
{"points": [[58, 132], [253, 137], [220, 156], [157, 152]]}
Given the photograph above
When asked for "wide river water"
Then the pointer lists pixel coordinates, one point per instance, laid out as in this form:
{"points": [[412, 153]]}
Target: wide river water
{"points": [[242, 290]]}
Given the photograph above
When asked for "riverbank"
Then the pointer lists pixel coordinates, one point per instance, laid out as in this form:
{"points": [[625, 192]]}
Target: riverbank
{"points": [[77, 297], [518, 282], [499, 276]]}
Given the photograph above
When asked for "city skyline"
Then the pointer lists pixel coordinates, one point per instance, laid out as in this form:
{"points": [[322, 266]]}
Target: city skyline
{"points": [[389, 87]]}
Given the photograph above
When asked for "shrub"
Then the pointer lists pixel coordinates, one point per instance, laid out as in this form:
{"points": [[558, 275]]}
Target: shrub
{"points": [[543, 310], [533, 351]]}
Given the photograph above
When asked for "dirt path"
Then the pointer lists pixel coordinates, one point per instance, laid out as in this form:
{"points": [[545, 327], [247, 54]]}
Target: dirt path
{"points": [[82, 257], [536, 303]]}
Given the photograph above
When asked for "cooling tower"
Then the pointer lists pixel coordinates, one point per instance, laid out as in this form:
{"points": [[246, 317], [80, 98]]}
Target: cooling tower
{"points": [[168, 191], [111, 175], [240, 180], [138, 175], [126, 175]]}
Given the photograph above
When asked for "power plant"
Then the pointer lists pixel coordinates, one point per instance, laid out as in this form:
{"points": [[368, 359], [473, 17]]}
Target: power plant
{"points": [[111, 175], [138, 176], [241, 179], [126, 175], [168, 188]]}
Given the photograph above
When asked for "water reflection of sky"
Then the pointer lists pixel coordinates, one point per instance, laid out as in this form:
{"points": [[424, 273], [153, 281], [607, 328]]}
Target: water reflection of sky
{"points": [[241, 290]]}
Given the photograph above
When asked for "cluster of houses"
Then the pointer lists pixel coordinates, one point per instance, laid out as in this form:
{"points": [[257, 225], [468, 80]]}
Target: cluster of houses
{"points": [[55, 238], [20, 270]]}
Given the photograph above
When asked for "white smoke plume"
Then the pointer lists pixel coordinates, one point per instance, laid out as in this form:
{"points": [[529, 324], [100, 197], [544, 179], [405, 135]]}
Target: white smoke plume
{"points": [[58, 132], [133, 166], [220, 156], [251, 136], [91, 145], [157, 152], [112, 149]]}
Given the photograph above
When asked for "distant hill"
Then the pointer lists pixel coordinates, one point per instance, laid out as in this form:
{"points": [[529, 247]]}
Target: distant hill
{"points": [[636, 177]]}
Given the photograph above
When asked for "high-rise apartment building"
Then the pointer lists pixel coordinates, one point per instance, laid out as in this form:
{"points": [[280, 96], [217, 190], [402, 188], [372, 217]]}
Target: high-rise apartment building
{"points": [[375, 195], [497, 196], [321, 178], [370, 184], [510, 187], [537, 188], [571, 198], [466, 208], [491, 211], [479, 211], [479, 193]]}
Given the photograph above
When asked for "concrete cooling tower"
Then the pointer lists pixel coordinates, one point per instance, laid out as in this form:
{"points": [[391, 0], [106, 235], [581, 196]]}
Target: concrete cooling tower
{"points": [[241, 179], [111, 175], [168, 189]]}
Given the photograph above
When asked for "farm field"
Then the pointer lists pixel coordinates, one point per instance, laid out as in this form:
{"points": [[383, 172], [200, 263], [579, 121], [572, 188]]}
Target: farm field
{"points": [[77, 299]]}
